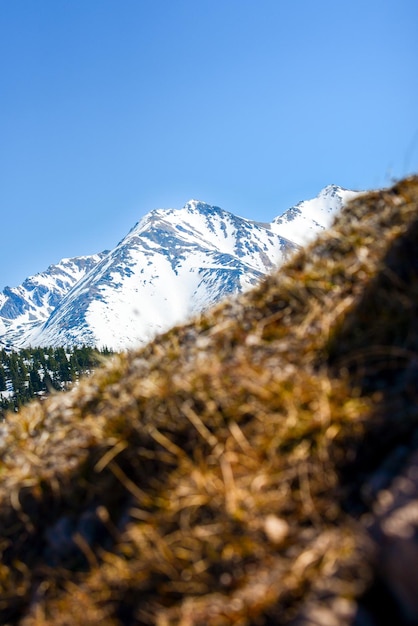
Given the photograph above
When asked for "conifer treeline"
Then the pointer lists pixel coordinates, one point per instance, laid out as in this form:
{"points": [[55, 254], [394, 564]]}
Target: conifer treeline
{"points": [[34, 372]]}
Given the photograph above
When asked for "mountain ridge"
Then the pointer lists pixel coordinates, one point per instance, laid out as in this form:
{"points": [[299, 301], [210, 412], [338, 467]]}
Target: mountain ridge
{"points": [[171, 265]]}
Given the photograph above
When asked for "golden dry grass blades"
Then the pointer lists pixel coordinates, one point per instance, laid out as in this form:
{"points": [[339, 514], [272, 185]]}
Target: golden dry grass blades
{"points": [[228, 472]]}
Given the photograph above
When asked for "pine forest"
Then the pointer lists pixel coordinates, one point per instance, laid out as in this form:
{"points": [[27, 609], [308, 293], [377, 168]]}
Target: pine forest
{"points": [[35, 372]]}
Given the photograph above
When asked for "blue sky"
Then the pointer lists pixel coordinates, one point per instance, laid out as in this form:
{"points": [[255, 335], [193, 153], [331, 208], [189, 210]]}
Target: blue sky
{"points": [[110, 108]]}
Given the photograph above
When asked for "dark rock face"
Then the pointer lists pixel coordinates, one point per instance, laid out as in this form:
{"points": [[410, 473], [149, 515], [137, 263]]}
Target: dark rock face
{"points": [[393, 527], [15, 305]]}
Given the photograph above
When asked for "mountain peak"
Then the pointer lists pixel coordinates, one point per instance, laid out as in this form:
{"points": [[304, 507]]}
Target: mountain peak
{"points": [[301, 222], [331, 191], [200, 206], [193, 203]]}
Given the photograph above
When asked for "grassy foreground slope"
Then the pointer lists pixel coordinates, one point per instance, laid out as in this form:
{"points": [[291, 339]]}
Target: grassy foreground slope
{"points": [[239, 469]]}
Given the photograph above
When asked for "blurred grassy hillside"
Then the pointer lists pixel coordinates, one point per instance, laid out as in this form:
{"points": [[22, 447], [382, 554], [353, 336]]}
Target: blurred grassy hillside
{"points": [[255, 467]]}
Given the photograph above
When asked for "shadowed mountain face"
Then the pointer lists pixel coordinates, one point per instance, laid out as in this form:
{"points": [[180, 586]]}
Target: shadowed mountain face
{"points": [[255, 466]]}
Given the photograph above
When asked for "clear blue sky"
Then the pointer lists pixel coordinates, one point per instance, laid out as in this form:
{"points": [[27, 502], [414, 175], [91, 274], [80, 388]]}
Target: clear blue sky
{"points": [[110, 108]]}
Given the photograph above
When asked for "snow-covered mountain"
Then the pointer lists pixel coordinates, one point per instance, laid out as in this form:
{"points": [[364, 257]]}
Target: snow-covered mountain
{"points": [[172, 264], [302, 222], [30, 304]]}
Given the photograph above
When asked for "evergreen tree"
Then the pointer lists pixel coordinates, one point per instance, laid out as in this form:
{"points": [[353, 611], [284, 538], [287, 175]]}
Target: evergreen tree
{"points": [[47, 382], [63, 371], [3, 380], [35, 380]]}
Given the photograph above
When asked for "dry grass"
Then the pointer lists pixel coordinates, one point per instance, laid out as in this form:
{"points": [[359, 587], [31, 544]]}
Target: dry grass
{"points": [[221, 475]]}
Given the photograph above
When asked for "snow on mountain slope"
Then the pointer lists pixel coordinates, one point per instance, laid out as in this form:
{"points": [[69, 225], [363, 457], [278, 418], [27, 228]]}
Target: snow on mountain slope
{"points": [[25, 307], [302, 222], [171, 265]]}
